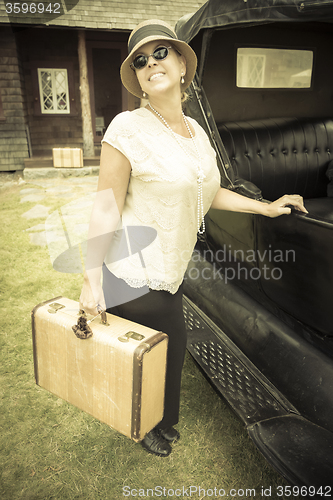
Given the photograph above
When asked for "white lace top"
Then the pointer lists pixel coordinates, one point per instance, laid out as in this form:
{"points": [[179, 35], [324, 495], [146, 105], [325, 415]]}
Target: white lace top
{"points": [[162, 194]]}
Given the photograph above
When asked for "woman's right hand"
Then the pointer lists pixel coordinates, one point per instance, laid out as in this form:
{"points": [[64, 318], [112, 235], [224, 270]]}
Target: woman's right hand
{"points": [[91, 296]]}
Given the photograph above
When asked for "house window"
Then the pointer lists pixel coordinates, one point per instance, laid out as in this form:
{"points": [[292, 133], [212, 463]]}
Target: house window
{"points": [[53, 90], [259, 67]]}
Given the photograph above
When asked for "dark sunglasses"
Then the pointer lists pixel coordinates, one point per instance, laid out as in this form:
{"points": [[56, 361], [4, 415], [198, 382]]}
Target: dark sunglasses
{"points": [[141, 61]]}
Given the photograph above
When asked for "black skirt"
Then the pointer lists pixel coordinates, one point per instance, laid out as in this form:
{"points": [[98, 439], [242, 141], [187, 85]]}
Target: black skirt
{"points": [[160, 310]]}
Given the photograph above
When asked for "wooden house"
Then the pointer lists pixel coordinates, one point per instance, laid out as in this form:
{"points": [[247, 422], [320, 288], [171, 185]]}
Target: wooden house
{"points": [[59, 73]]}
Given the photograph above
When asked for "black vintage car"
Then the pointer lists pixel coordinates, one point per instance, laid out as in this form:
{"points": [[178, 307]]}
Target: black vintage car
{"points": [[259, 291]]}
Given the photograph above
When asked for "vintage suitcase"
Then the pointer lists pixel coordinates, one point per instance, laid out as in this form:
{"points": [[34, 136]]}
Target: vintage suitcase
{"points": [[117, 375], [67, 157]]}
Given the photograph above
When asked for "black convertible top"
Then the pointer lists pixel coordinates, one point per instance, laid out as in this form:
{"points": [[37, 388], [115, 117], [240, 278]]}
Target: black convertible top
{"points": [[233, 13]]}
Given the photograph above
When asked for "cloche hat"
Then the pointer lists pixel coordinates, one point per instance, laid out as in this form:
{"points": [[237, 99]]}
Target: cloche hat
{"points": [[148, 31]]}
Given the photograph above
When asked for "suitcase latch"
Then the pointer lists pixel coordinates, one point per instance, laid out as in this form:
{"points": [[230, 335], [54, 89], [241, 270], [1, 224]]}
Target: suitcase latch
{"points": [[131, 335], [53, 308]]}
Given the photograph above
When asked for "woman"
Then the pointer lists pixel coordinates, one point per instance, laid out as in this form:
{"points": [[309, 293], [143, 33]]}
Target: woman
{"points": [[157, 170]]}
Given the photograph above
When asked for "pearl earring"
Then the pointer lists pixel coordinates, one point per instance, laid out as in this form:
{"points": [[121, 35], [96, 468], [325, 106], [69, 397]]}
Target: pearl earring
{"points": [[144, 95], [182, 81]]}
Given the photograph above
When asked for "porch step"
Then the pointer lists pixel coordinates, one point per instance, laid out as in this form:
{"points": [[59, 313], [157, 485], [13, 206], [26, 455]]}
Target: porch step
{"points": [[47, 161], [51, 173]]}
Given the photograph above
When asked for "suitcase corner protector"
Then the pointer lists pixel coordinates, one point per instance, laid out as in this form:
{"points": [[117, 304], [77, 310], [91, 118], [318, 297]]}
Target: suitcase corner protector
{"points": [[147, 345]]}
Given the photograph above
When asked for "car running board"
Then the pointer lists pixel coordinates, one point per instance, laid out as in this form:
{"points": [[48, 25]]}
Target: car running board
{"points": [[293, 445], [244, 387]]}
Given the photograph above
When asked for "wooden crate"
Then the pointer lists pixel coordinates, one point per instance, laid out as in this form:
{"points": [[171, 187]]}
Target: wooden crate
{"points": [[67, 157]]}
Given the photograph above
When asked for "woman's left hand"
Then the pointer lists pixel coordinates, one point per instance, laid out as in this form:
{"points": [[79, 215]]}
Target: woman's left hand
{"points": [[225, 199], [282, 205]]}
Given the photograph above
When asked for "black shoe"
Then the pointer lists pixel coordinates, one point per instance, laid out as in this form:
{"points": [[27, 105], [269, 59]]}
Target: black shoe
{"points": [[155, 444], [170, 434]]}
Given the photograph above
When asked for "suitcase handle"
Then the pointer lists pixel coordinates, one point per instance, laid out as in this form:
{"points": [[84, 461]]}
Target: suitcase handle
{"points": [[82, 329]]}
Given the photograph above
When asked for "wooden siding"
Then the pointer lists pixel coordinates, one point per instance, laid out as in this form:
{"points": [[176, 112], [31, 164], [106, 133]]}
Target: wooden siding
{"points": [[13, 133]]}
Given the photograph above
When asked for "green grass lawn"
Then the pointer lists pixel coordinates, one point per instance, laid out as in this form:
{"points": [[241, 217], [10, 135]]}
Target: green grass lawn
{"points": [[51, 450]]}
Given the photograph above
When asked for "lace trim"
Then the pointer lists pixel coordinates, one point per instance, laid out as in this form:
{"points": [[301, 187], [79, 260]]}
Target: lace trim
{"points": [[153, 284]]}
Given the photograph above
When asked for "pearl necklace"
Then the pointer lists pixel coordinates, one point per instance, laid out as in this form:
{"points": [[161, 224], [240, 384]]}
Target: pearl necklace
{"points": [[200, 174]]}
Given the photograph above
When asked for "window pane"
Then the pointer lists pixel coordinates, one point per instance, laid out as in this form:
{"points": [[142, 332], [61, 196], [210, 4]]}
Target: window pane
{"points": [[274, 68], [53, 87], [61, 89], [47, 94]]}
